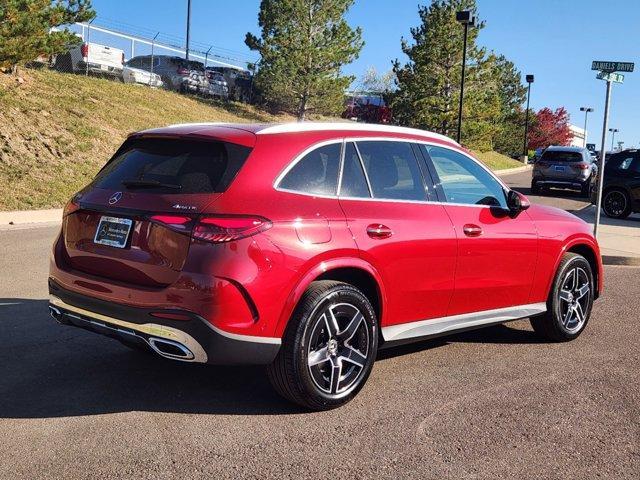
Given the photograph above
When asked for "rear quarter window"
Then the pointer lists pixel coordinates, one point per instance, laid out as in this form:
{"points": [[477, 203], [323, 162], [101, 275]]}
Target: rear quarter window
{"points": [[173, 166], [316, 173]]}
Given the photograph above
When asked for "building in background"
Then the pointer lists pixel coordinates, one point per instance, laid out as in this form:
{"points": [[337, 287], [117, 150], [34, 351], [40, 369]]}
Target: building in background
{"points": [[579, 134]]}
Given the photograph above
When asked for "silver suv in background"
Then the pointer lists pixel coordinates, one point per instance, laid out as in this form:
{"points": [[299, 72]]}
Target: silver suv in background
{"points": [[564, 167], [176, 73]]}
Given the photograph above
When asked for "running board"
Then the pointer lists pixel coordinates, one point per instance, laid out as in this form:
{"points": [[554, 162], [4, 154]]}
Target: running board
{"points": [[439, 326]]}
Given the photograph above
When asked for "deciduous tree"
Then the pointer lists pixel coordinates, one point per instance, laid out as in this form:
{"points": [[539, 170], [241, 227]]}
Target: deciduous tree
{"points": [[25, 28], [550, 128], [303, 46]]}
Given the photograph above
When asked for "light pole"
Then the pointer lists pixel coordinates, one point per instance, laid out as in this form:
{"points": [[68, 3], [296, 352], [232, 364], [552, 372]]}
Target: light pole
{"points": [[188, 28], [529, 79], [466, 18], [613, 136], [586, 111]]}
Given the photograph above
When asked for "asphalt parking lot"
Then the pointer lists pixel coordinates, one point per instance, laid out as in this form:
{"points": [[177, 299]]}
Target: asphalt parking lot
{"points": [[486, 404]]}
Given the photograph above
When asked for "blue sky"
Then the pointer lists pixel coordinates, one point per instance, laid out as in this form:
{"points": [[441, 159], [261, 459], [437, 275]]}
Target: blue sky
{"points": [[555, 40]]}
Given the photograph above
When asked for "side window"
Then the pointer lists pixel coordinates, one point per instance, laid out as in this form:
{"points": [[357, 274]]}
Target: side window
{"points": [[354, 183], [625, 164], [315, 173], [393, 170], [463, 180]]}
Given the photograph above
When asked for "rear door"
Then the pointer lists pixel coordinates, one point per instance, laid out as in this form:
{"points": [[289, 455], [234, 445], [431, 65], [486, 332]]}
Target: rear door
{"points": [[132, 223], [497, 252], [399, 230]]}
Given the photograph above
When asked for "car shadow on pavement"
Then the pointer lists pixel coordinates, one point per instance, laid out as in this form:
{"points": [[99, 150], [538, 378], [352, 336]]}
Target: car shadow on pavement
{"points": [[51, 370]]}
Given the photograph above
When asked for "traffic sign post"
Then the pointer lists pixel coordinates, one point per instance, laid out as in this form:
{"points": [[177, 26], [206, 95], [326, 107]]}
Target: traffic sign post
{"points": [[608, 73]]}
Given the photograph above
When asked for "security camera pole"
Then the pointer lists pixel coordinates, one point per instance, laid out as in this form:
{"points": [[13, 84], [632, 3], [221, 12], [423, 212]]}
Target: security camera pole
{"points": [[586, 111], [608, 73], [529, 79], [467, 19], [186, 56]]}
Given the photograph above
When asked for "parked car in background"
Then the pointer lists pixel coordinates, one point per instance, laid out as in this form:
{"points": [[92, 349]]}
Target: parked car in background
{"points": [[217, 85], [621, 187], [132, 72], [368, 108], [239, 82], [101, 60], [564, 167], [176, 73], [308, 247]]}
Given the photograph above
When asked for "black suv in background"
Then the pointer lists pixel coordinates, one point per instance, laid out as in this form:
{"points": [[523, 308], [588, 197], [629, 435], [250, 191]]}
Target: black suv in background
{"points": [[621, 191]]}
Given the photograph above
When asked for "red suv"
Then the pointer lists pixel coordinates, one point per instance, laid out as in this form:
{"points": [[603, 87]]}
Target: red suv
{"points": [[307, 247]]}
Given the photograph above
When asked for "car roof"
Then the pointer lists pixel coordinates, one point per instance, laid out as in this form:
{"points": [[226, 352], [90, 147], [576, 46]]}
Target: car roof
{"points": [[213, 129], [559, 148]]}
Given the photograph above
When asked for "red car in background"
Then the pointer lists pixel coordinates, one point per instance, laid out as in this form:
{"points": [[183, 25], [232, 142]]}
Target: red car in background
{"points": [[308, 247], [369, 108]]}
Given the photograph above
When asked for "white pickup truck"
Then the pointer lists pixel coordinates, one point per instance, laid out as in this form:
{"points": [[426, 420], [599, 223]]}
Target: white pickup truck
{"points": [[92, 58]]}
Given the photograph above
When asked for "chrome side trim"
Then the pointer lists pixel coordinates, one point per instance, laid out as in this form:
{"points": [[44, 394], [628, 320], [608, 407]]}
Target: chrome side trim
{"points": [[245, 338], [437, 326]]}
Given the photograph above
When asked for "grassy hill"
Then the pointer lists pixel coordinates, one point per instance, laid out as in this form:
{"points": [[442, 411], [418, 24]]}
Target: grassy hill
{"points": [[57, 130]]}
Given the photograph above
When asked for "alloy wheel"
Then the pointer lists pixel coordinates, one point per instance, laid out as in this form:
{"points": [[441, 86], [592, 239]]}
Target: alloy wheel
{"points": [[338, 348], [575, 297], [615, 203]]}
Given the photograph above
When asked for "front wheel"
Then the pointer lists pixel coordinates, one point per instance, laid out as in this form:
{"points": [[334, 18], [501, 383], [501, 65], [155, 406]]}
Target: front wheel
{"points": [[328, 348], [570, 301]]}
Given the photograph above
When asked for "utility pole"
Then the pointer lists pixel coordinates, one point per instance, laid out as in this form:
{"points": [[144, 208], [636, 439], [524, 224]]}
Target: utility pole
{"points": [[586, 111], [188, 29]]}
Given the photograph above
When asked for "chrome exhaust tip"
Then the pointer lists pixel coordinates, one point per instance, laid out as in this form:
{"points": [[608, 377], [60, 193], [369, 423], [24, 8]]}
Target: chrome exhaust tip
{"points": [[170, 349], [55, 314]]}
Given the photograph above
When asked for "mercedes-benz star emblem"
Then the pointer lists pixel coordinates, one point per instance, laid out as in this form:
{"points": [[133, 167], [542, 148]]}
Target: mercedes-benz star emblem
{"points": [[115, 198]]}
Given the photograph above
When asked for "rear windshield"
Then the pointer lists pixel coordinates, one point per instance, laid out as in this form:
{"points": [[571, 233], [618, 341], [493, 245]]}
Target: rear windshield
{"points": [[173, 166], [562, 156]]}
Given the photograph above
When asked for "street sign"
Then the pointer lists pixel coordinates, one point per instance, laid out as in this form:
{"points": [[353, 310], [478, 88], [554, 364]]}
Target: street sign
{"points": [[612, 66], [611, 77]]}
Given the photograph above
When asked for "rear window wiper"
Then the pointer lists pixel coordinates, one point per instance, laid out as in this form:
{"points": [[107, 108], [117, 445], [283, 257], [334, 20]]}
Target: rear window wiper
{"points": [[149, 184]]}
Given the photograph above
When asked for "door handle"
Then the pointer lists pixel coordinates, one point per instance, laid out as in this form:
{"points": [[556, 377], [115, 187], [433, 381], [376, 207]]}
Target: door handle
{"points": [[471, 230], [379, 231]]}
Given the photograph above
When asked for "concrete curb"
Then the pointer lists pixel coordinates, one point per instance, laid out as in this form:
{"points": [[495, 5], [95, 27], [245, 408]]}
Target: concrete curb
{"points": [[27, 217], [508, 171]]}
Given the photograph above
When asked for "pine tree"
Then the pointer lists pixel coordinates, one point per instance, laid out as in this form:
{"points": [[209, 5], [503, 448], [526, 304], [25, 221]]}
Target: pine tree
{"points": [[25, 28], [429, 84], [303, 46]]}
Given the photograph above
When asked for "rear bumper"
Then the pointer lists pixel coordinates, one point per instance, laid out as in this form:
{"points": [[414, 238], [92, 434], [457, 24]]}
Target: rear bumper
{"points": [[560, 183], [192, 340]]}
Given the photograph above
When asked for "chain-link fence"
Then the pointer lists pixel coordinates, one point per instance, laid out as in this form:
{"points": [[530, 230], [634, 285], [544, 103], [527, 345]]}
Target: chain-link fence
{"points": [[131, 54]]}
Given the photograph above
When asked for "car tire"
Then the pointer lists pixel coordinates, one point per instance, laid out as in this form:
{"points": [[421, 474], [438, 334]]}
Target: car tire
{"points": [[328, 348], [570, 301], [535, 189], [585, 188], [616, 204]]}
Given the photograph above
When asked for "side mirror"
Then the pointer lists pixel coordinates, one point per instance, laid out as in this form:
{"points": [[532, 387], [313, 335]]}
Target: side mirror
{"points": [[517, 202]]}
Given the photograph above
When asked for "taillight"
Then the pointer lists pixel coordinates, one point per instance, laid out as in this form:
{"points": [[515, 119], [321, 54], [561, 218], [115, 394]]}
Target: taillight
{"points": [[227, 229], [70, 207], [542, 164], [84, 49], [178, 223], [183, 71], [583, 166]]}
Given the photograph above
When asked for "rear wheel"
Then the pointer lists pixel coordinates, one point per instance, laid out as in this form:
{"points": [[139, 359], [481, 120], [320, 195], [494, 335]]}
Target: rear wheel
{"points": [[585, 188], [535, 189], [328, 348], [616, 204], [570, 301]]}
